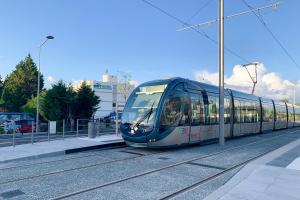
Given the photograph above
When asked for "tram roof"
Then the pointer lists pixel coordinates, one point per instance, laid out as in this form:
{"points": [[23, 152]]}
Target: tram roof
{"points": [[195, 85], [238, 94]]}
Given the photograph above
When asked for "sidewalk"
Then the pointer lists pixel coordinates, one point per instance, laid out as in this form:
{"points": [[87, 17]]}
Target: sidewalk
{"points": [[54, 147], [275, 176]]}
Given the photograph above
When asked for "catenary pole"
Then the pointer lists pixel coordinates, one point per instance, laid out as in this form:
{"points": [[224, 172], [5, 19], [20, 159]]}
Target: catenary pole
{"points": [[221, 72]]}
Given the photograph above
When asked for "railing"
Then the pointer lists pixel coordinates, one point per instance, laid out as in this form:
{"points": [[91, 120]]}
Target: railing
{"points": [[62, 131]]}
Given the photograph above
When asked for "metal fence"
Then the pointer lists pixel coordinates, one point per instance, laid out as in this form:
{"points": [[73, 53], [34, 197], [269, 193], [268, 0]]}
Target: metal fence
{"points": [[13, 136]]}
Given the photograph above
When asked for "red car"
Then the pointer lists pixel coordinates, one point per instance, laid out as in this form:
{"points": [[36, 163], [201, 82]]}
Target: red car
{"points": [[24, 126]]}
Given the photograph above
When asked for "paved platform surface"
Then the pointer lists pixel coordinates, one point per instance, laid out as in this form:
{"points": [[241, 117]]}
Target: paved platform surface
{"points": [[275, 176], [54, 147]]}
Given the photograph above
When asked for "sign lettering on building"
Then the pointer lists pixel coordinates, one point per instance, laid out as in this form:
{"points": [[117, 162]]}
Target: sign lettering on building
{"points": [[102, 86]]}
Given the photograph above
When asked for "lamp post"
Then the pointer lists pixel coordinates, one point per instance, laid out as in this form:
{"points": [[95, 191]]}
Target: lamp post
{"points": [[49, 37]]}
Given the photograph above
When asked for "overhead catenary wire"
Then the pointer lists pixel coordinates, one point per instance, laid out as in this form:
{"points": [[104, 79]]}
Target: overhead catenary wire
{"points": [[262, 21], [274, 5], [196, 30], [207, 3]]}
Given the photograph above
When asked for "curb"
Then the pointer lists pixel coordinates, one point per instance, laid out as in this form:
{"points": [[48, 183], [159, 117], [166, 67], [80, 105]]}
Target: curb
{"points": [[100, 146], [117, 143]]}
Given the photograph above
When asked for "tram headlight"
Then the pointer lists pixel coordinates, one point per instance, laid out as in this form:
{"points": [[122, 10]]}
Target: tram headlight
{"points": [[132, 131]]}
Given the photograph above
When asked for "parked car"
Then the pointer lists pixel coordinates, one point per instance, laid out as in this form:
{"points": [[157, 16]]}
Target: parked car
{"points": [[24, 126]]}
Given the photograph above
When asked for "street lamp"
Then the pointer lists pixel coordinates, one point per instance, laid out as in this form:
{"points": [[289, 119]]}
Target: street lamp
{"points": [[49, 37]]}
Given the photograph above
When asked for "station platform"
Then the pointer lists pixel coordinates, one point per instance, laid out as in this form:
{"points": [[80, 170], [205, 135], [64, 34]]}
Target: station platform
{"points": [[57, 147], [275, 176]]}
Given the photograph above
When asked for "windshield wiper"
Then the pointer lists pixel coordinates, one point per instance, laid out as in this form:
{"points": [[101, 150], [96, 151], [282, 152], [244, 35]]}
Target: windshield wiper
{"points": [[147, 115]]}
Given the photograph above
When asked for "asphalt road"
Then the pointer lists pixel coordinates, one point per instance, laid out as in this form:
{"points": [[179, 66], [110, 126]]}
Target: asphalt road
{"points": [[136, 173]]}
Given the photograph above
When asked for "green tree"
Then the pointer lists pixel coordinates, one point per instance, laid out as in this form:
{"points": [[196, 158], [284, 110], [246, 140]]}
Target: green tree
{"points": [[86, 102], [58, 102], [30, 106], [21, 85]]}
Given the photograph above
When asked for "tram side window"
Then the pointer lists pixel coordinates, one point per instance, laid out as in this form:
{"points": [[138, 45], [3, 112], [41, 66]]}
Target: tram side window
{"points": [[248, 111], [227, 110], [291, 114], [211, 110], [243, 112], [278, 113], [258, 113], [297, 115], [237, 111], [185, 110], [172, 110], [281, 113], [197, 109], [267, 112]]}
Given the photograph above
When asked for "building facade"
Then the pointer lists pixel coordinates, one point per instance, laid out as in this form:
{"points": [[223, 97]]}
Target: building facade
{"points": [[107, 91]]}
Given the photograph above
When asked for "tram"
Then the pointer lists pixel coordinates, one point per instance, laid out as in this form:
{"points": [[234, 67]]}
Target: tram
{"points": [[177, 111]]}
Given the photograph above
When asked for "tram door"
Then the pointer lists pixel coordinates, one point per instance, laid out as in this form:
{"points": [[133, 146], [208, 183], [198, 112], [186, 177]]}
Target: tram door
{"points": [[196, 116]]}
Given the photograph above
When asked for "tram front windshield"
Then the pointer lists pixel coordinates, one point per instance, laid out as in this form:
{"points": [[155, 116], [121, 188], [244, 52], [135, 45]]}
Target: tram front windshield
{"points": [[140, 109]]}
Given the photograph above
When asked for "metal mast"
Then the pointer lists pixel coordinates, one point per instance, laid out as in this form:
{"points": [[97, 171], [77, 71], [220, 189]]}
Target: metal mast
{"points": [[221, 72]]}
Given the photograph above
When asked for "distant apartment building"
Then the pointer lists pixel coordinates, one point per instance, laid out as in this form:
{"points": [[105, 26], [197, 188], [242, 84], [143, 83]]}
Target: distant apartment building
{"points": [[107, 91]]}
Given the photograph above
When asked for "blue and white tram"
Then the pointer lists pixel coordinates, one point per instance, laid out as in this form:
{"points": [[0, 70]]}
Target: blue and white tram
{"points": [[177, 111]]}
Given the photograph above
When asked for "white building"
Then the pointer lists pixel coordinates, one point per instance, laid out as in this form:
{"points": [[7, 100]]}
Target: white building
{"points": [[107, 91]]}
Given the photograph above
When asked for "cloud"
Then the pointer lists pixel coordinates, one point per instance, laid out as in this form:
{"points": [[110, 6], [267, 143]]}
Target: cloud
{"points": [[50, 79], [269, 84]]}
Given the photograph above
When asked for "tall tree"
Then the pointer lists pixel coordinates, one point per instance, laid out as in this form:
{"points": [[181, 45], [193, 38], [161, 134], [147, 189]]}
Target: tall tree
{"points": [[21, 85], [86, 102], [58, 102]]}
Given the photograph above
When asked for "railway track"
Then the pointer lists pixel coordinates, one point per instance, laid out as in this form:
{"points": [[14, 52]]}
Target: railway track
{"points": [[138, 155], [183, 190]]}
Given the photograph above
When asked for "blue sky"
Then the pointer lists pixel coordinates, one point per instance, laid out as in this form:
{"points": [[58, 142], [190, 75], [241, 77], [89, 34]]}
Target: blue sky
{"points": [[129, 35]]}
